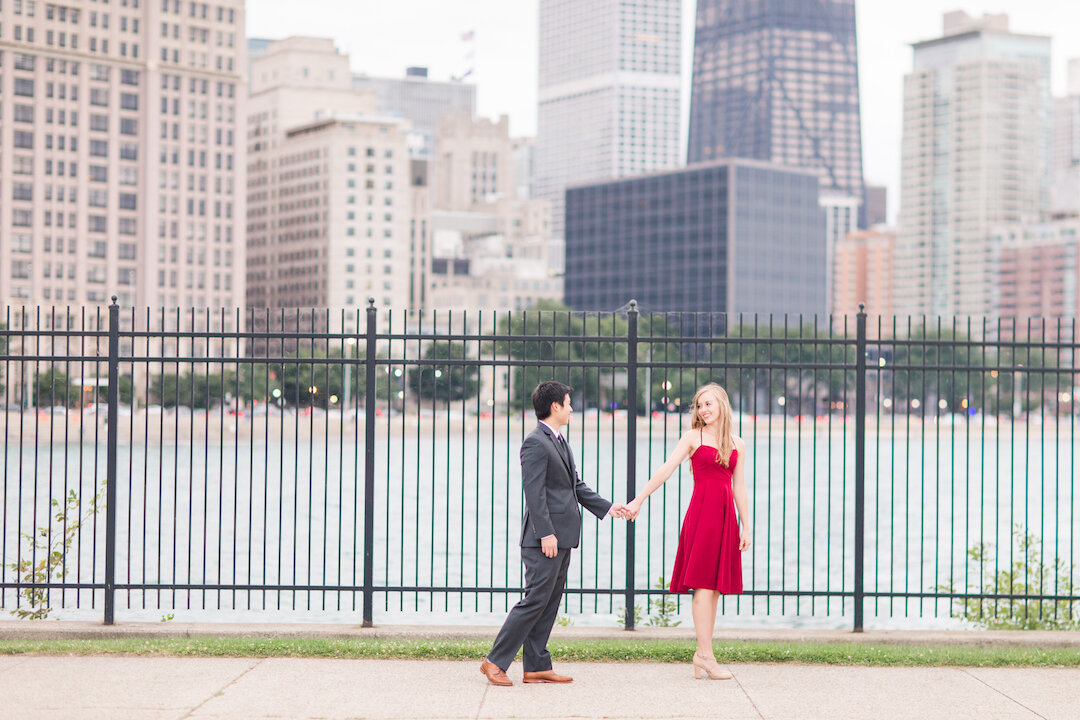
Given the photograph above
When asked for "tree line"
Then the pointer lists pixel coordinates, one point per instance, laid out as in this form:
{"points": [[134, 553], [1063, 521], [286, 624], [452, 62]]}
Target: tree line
{"points": [[802, 369]]}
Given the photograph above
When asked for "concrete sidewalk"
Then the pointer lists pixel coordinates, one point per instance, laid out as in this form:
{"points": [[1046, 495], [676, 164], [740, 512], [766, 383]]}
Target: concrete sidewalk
{"points": [[113, 686], [44, 687]]}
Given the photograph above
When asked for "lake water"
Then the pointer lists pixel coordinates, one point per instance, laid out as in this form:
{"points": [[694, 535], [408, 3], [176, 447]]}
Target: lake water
{"points": [[285, 507]]}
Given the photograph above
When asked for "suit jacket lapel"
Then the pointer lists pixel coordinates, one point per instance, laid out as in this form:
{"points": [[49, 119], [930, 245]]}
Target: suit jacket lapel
{"points": [[564, 451]]}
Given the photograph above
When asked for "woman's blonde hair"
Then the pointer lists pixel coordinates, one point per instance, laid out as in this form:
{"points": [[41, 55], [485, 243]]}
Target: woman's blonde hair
{"points": [[724, 422]]}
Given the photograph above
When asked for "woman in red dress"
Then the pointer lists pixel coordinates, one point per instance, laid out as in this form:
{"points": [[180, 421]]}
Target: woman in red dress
{"points": [[710, 542]]}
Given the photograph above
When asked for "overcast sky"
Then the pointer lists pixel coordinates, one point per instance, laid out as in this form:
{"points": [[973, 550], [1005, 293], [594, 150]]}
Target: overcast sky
{"points": [[383, 38]]}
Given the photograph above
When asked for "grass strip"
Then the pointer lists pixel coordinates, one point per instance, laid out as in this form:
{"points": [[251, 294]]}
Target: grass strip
{"points": [[567, 650]]}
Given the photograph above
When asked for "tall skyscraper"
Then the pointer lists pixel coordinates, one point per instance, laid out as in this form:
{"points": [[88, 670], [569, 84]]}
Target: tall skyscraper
{"points": [[122, 159], [778, 80], [608, 93], [1065, 155], [974, 155]]}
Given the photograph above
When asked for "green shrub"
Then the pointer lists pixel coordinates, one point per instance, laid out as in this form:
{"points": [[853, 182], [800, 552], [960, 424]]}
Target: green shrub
{"points": [[45, 558], [1030, 575]]}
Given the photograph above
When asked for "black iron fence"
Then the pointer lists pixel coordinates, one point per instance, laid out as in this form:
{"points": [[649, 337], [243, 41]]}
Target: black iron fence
{"points": [[363, 464]]}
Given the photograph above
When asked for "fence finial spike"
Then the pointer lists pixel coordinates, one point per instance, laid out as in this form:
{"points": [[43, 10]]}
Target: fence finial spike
{"points": [[862, 307], [371, 302], [633, 304], [114, 299]]}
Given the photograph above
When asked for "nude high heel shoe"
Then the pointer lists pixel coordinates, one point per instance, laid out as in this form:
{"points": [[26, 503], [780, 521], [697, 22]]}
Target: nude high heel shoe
{"points": [[710, 667]]}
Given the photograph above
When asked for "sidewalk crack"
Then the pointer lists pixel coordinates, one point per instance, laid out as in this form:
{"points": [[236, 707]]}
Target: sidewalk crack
{"points": [[222, 689], [1002, 694], [16, 664], [744, 692], [487, 686]]}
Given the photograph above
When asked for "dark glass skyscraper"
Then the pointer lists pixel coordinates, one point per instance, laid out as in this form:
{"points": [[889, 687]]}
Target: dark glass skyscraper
{"points": [[778, 80]]}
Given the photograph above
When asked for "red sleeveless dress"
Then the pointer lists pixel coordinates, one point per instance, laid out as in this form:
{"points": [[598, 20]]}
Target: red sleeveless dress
{"points": [[708, 556]]}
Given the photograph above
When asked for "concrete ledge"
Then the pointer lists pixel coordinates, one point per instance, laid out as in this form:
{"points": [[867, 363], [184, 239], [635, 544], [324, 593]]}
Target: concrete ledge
{"points": [[63, 630]]}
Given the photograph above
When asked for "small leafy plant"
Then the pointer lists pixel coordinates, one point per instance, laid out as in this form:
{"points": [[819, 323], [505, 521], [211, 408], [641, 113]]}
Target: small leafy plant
{"points": [[661, 610], [665, 608], [46, 557], [1029, 574]]}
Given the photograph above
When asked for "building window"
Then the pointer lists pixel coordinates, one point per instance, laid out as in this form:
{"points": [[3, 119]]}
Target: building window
{"points": [[22, 242], [25, 113], [22, 191]]}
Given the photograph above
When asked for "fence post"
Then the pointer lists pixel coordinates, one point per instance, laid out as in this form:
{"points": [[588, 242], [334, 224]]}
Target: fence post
{"points": [[631, 450], [110, 467], [369, 465], [860, 464]]}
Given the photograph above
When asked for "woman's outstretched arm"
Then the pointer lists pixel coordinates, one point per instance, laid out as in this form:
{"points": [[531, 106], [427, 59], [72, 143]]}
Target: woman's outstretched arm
{"points": [[678, 455]]}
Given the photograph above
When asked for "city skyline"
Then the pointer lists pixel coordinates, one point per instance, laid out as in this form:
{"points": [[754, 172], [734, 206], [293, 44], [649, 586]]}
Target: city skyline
{"points": [[504, 53]]}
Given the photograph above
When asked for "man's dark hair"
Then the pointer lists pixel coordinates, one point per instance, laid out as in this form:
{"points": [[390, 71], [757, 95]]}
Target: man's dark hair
{"points": [[546, 393]]}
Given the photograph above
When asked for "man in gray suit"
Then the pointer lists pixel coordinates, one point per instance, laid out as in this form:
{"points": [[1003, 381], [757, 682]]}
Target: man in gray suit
{"points": [[550, 528]]}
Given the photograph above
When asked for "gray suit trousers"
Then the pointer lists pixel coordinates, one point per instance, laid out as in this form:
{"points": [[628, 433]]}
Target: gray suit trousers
{"points": [[530, 620]]}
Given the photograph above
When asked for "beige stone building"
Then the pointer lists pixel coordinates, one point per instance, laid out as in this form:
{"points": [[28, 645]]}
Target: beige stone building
{"points": [[862, 273], [329, 187], [1037, 288], [487, 247], [122, 164], [474, 160]]}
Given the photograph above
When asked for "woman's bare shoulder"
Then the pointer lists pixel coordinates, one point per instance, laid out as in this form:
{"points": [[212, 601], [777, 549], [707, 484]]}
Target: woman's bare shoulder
{"points": [[740, 445]]}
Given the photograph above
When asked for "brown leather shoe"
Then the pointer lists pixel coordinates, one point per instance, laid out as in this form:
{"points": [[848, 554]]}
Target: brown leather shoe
{"points": [[494, 675], [543, 676]]}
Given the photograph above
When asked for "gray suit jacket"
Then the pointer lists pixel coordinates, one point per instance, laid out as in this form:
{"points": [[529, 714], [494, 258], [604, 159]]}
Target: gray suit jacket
{"points": [[553, 491]]}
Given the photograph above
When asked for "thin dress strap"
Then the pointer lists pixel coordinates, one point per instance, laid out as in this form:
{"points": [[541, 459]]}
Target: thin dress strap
{"points": [[701, 436]]}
